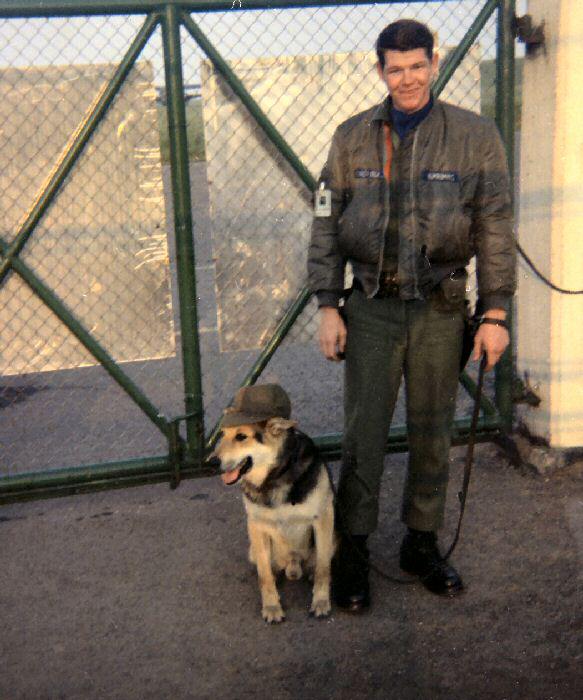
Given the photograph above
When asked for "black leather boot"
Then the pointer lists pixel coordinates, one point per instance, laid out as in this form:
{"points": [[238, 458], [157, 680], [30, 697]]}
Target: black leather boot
{"points": [[420, 557], [350, 588]]}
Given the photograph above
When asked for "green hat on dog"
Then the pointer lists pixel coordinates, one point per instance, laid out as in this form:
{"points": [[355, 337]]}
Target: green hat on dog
{"points": [[253, 404]]}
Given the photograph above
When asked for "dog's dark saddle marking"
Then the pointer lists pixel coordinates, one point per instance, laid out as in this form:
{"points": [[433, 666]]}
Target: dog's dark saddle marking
{"points": [[305, 470], [300, 467]]}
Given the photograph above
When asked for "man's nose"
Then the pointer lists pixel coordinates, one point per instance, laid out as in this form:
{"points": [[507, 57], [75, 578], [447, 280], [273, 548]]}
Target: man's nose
{"points": [[407, 76]]}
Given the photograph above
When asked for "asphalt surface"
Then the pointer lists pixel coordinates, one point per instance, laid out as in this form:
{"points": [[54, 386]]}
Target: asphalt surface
{"points": [[147, 593]]}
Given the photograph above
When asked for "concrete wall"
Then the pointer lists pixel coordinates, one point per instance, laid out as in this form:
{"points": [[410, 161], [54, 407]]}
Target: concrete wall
{"points": [[549, 324], [102, 244]]}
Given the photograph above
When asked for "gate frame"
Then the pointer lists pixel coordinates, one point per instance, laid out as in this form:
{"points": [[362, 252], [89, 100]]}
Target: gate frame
{"points": [[185, 458]]}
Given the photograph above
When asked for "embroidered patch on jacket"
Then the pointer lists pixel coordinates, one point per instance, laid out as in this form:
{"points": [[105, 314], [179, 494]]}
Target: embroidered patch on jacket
{"points": [[440, 176], [368, 173]]}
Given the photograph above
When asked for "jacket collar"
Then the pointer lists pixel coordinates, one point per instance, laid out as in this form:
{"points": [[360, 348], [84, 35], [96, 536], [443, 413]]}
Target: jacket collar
{"points": [[382, 112], [432, 125]]}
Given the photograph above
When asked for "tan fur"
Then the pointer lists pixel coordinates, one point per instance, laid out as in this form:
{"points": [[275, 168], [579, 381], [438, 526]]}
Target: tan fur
{"points": [[280, 535]]}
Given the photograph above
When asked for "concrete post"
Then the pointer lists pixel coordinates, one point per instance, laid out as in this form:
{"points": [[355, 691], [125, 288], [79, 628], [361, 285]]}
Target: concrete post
{"points": [[550, 324]]}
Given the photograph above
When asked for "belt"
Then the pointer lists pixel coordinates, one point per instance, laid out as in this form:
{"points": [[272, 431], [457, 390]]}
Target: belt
{"points": [[388, 286]]}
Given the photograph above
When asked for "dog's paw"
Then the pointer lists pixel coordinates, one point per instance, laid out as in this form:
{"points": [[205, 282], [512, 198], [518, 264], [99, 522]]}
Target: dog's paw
{"points": [[273, 614], [320, 607]]}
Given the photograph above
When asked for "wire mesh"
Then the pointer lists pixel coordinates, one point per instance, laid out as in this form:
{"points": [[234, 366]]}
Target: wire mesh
{"points": [[105, 245], [308, 70]]}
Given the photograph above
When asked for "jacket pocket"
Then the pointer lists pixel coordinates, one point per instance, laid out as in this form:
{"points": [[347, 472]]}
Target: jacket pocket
{"points": [[439, 196], [442, 220], [359, 228]]}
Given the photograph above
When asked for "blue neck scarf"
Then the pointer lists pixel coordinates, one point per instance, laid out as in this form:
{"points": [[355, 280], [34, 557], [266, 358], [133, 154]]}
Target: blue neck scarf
{"points": [[403, 123]]}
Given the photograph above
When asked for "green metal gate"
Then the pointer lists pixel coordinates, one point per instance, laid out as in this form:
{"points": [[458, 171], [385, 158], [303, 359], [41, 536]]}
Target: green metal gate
{"points": [[112, 359]]}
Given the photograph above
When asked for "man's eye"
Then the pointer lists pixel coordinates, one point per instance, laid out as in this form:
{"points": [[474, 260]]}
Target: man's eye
{"points": [[240, 437]]}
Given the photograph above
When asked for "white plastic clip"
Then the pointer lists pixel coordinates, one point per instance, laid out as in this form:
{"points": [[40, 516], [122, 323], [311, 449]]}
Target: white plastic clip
{"points": [[323, 201]]}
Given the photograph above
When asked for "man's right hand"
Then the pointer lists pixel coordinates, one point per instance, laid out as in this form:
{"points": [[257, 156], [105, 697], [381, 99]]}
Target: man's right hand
{"points": [[332, 333]]}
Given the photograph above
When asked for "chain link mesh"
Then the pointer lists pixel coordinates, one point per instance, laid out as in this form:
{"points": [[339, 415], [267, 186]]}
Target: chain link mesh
{"points": [[308, 70], [105, 244], [102, 247]]}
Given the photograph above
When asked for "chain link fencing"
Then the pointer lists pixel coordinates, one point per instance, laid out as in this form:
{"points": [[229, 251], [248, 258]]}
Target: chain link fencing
{"points": [[307, 70], [103, 246], [105, 243]]}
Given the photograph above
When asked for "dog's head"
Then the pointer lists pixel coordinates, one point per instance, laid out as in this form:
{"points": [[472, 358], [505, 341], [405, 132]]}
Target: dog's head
{"points": [[250, 451]]}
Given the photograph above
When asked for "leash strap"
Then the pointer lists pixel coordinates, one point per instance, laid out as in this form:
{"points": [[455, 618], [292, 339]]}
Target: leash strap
{"points": [[463, 494]]}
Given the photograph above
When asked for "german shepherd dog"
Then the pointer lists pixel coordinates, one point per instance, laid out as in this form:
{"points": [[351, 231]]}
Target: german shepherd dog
{"points": [[288, 498]]}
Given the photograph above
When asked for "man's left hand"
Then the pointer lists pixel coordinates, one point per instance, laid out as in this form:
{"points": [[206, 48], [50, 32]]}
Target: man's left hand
{"points": [[491, 340]]}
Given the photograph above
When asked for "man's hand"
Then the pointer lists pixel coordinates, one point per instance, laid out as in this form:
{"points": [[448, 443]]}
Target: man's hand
{"points": [[332, 333], [491, 339]]}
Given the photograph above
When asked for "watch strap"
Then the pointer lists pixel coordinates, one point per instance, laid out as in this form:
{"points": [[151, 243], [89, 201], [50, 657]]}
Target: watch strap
{"points": [[494, 322]]}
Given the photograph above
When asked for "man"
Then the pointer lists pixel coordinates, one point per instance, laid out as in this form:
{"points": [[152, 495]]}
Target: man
{"points": [[416, 187]]}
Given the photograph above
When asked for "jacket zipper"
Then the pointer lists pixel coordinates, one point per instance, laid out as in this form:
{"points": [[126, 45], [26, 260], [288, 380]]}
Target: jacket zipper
{"points": [[414, 212], [387, 206]]}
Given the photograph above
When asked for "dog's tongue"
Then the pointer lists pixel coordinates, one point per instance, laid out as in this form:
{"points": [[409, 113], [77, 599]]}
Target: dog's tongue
{"points": [[231, 477]]}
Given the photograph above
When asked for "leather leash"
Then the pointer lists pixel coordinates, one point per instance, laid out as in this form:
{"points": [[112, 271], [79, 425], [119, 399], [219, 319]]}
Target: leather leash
{"points": [[463, 494]]}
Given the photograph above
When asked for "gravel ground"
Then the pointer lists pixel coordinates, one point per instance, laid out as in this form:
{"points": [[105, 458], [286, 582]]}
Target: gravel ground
{"points": [[147, 593]]}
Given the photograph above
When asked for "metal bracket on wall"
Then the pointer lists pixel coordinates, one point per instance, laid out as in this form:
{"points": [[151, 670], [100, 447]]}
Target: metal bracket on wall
{"points": [[531, 35], [524, 392]]}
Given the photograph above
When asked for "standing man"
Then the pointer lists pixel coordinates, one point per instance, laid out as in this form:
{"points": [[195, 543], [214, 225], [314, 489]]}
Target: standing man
{"points": [[411, 190]]}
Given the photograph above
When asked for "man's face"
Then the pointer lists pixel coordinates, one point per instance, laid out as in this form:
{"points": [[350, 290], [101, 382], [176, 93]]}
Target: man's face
{"points": [[408, 76]]}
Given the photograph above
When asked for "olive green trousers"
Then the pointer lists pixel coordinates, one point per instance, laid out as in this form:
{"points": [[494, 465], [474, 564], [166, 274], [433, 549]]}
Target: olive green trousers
{"points": [[389, 339]]}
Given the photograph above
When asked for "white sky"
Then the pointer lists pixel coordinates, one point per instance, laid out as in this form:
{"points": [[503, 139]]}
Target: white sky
{"points": [[236, 34]]}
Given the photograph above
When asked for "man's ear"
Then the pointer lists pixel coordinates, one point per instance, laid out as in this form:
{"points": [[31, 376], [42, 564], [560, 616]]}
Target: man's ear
{"points": [[380, 71], [277, 426]]}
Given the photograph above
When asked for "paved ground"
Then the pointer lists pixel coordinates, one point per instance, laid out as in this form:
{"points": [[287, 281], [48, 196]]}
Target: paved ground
{"points": [[146, 593]]}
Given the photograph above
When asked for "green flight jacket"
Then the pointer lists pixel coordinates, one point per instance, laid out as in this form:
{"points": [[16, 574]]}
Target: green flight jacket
{"points": [[454, 202]]}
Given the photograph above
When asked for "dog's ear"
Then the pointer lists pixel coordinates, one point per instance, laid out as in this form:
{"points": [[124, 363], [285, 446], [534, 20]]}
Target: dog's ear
{"points": [[277, 426]]}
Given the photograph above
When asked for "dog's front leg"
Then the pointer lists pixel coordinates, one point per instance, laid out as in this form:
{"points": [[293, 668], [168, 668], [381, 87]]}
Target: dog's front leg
{"points": [[324, 536], [271, 609]]}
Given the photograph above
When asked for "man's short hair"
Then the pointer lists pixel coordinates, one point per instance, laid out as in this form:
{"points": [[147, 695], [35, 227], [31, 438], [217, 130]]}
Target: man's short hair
{"points": [[404, 35]]}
